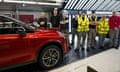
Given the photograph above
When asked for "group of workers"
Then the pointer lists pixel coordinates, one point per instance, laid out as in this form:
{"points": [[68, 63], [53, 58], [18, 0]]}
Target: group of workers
{"points": [[86, 28]]}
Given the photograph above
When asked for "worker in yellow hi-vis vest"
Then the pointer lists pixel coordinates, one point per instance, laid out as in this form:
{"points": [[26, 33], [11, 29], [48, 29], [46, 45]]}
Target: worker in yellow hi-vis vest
{"points": [[93, 21], [102, 29], [83, 28]]}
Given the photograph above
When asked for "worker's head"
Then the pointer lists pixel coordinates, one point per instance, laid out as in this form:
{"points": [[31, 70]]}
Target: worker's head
{"points": [[113, 13], [103, 17], [83, 13], [76, 15], [43, 15], [55, 11], [93, 13], [64, 14]]}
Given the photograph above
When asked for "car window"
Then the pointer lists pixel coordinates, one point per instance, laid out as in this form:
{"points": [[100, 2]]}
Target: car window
{"points": [[8, 26]]}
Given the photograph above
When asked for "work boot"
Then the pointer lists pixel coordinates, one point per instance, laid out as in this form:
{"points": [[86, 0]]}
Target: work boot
{"points": [[82, 49]]}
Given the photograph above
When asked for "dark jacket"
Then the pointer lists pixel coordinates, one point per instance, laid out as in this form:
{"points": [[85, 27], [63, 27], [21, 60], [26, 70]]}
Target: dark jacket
{"points": [[93, 19], [55, 21], [64, 26], [44, 20], [74, 23]]}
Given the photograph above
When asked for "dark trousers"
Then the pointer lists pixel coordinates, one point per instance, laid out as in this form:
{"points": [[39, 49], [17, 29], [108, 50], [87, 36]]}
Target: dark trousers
{"points": [[114, 37], [101, 39], [91, 38], [66, 33], [82, 36], [74, 32], [119, 38]]}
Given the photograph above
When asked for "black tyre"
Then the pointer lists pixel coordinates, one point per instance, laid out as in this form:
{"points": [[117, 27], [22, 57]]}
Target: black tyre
{"points": [[49, 57]]}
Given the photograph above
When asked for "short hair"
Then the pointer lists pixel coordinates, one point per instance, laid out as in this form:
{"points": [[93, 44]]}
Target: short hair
{"points": [[93, 11], [75, 13], [83, 11], [55, 9], [42, 13]]}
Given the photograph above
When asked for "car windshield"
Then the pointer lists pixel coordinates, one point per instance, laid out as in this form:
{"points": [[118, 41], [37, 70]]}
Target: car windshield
{"points": [[34, 25], [28, 26]]}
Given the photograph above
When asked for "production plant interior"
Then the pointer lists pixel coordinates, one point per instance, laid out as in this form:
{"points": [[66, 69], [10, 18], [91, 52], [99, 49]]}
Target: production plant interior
{"points": [[59, 35]]}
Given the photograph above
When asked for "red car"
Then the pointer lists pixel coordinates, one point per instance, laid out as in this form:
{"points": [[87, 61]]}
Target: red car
{"points": [[21, 44]]}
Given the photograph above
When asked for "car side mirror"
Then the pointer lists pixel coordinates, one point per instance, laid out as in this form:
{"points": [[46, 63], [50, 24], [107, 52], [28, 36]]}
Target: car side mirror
{"points": [[21, 32]]}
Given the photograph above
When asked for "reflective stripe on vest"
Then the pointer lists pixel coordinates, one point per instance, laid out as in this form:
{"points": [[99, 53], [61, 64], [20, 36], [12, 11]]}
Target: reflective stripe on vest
{"points": [[103, 27], [92, 19], [83, 26]]}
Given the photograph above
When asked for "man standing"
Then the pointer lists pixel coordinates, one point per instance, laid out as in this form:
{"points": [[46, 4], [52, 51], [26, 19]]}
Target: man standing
{"points": [[92, 33], [114, 30], [64, 26], [102, 29], [42, 21], [83, 28], [74, 27], [54, 19]]}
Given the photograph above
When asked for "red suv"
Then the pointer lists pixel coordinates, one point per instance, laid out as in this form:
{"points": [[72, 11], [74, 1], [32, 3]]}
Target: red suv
{"points": [[21, 44]]}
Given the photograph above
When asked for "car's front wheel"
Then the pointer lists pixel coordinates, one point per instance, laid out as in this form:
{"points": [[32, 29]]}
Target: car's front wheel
{"points": [[50, 56]]}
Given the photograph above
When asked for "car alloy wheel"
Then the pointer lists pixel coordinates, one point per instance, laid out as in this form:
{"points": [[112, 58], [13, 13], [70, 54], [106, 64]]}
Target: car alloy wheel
{"points": [[50, 56]]}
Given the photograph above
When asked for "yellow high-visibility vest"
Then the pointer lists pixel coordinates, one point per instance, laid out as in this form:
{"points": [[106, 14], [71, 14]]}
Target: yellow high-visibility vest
{"points": [[91, 18], [83, 25], [103, 27]]}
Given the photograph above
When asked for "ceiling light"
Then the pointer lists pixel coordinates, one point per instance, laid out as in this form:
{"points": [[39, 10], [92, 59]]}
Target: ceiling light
{"points": [[74, 4], [103, 4], [78, 4], [70, 4], [67, 4], [82, 4], [97, 4], [115, 5], [32, 2], [109, 5], [91, 4], [87, 4]]}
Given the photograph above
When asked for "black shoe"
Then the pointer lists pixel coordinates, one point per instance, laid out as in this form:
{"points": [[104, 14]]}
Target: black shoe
{"points": [[82, 49], [88, 49], [111, 46], [101, 47], [77, 50], [70, 47], [116, 47], [93, 47], [72, 43]]}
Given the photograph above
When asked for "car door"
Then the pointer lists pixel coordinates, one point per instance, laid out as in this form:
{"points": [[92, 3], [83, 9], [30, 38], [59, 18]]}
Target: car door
{"points": [[13, 48]]}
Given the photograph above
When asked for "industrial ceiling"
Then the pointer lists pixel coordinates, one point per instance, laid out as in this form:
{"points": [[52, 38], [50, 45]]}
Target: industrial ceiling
{"points": [[29, 5], [98, 5]]}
